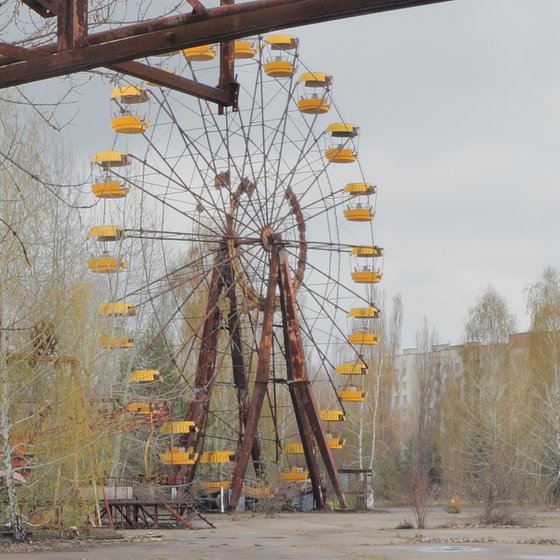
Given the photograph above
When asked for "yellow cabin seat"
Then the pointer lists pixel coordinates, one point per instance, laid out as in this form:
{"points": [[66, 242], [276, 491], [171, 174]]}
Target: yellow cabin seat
{"points": [[293, 448], [367, 251], [110, 189], [363, 338], [131, 95], [353, 394], [105, 233], [342, 130], [336, 441], [281, 42], [215, 485], [106, 265], [244, 49], [295, 474], [129, 124], [217, 457], [332, 416], [179, 456], [116, 341], [339, 154], [358, 213], [357, 189], [183, 427], [366, 276], [364, 312], [145, 376], [117, 309], [315, 80], [313, 105], [111, 159], [279, 68], [202, 53], [357, 368]]}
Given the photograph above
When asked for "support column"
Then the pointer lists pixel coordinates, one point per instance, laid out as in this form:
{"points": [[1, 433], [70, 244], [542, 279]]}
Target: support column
{"points": [[261, 382], [205, 374], [299, 382]]}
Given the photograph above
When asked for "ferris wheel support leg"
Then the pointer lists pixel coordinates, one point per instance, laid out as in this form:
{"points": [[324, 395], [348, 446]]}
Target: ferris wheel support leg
{"points": [[259, 391], [204, 380], [227, 65], [298, 381], [240, 372]]}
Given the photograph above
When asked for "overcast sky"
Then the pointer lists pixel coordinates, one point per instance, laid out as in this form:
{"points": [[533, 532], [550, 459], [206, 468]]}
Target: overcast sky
{"points": [[459, 111]]}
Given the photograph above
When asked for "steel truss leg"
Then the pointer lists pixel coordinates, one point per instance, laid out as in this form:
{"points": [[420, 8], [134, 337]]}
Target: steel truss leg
{"points": [[205, 371], [239, 371], [259, 391], [302, 396]]}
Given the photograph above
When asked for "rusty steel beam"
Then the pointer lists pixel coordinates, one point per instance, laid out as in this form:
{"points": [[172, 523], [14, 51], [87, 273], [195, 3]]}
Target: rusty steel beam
{"points": [[205, 371], [259, 390], [45, 8], [227, 63], [239, 371], [298, 381], [72, 25], [221, 24], [198, 7]]}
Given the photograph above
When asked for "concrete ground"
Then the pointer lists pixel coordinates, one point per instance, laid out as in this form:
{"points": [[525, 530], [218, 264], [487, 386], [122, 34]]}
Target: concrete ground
{"points": [[333, 536]]}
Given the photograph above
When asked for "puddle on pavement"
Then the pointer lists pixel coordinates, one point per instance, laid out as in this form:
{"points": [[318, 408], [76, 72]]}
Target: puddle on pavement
{"points": [[450, 548]]}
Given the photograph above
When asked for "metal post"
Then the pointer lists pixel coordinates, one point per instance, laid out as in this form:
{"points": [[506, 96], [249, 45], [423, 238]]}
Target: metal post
{"points": [[261, 381], [299, 382]]}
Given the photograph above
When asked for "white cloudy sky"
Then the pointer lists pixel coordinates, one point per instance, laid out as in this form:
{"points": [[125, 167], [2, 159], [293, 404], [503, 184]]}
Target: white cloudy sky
{"points": [[459, 109]]}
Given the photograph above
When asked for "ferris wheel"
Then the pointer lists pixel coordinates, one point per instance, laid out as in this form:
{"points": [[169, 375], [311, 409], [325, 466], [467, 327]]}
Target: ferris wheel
{"points": [[253, 262]]}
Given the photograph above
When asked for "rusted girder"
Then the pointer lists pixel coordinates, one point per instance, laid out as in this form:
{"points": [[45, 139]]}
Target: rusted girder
{"points": [[259, 390], [220, 24], [72, 25], [300, 390], [45, 8], [205, 371]]}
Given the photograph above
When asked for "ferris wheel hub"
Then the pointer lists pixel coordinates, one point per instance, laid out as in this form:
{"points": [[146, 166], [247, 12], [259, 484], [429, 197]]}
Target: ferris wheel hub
{"points": [[269, 237]]}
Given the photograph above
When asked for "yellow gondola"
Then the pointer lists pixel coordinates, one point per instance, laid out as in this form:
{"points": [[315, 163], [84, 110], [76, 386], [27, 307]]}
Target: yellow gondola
{"points": [[129, 124], [353, 394], [215, 485], [244, 49], [363, 338], [364, 312], [146, 408], [358, 213], [366, 276], [332, 416], [281, 42], [106, 265], [111, 159], [342, 130], [131, 95], [336, 441], [314, 105], [202, 53], [257, 492], [145, 376], [105, 233], [357, 368], [183, 427], [339, 154], [279, 68], [357, 189], [110, 189], [315, 80], [116, 341], [293, 448], [295, 474], [179, 456], [117, 309], [217, 457], [367, 251]]}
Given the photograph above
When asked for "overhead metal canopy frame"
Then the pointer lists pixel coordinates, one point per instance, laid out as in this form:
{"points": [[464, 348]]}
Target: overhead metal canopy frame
{"points": [[76, 50]]}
